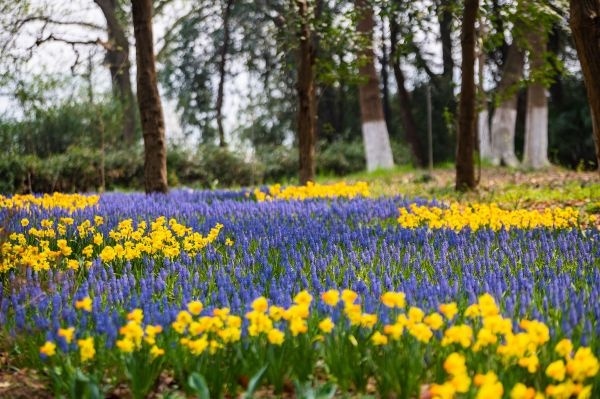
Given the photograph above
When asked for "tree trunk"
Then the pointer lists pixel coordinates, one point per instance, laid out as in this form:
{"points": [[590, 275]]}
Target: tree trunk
{"points": [[117, 57], [222, 73], [585, 25], [385, 89], [536, 123], [408, 121], [444, 11], [307, 102], [483, 117], [465, 170], [505, 115], [375, 134], [153, 126]]}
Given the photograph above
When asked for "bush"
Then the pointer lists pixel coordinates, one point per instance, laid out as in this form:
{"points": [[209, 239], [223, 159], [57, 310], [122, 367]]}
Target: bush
{"points": [[340, 158]]}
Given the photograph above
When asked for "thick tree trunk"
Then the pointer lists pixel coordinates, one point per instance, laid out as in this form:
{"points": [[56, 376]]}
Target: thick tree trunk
{"points": [[153, 126], [117, 57], [536, 123], [585, 25], [222, 73], [374, 129], [307, 103], [408, 121], [465, 170], [505, 116]]}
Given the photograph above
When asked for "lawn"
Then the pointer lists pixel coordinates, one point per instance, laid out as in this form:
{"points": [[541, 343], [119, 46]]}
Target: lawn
{"points": [[397, 287]]}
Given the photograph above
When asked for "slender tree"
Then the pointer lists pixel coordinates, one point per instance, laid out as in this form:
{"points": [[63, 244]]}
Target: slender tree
{"points": [[117, 58], [222, 71], [151, 114], [465, 171], [375, 134], [505, 115], [535, 155], [404, 100], [305, 86], [585, 25]]}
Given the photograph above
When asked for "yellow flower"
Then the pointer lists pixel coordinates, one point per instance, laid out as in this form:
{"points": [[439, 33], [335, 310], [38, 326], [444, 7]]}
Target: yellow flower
{"points": [[583, 365], [73, 264], [564, 348], [331, 297], [107, 254], [228, 242], [455, 364], [434, 321], [462, 334], [67, 334], [48, 349], [326, 325], [531, 363], [487, 305], [461, 382], [521, 391], [84, 304], [472, 311], [136, 315], [303, 298], [86, 349], [393, 330], [556, 370], [125, 345], [393, 299], [421, 332], [368, 320], [276, 312], [155, 352], [349, 296], [195, 307], [276, 336], [415, 314], [442, 391], [449, 310], [24, 222], [298, 326], [260, 304], [379, 339]]}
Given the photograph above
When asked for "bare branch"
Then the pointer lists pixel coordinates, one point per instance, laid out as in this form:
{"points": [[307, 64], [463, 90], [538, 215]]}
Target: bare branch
{"points": [[52, 38], [50, 21]]}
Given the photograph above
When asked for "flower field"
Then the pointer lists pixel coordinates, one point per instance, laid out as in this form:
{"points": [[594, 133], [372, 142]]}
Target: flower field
{"points": [[317, 290]]}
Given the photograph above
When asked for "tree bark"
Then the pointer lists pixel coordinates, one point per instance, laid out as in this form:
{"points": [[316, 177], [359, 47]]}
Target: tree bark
{"points": [[375, 134], [385, 89], [536, 122], [483, 116], [585, 25], [222, 72], [117, 57], [505, 115], [307, 102], [153, 126], [465, 170], [408, 120], [444, 11]]}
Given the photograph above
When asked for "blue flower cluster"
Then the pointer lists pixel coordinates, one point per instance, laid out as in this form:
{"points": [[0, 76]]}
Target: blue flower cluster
{"points": [[279, 248]]}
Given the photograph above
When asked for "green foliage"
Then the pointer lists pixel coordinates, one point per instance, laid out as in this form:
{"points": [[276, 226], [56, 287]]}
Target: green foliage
{"points": [[570, 140]]}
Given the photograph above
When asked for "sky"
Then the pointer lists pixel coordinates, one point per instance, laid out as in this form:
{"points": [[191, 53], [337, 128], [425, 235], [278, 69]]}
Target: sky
{"points": [[56, 58]]}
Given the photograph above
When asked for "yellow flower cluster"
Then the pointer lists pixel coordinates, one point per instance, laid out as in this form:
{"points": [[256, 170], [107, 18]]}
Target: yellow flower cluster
{"points": [[477, 216], [41, 247], [202, 333], [70, 202], [133, 335], [87, 350], [313, 190]]}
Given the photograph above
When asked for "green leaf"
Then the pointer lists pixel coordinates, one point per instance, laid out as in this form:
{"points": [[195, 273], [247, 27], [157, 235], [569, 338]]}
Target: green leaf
{"points": [[198, 384], [254, 382]]}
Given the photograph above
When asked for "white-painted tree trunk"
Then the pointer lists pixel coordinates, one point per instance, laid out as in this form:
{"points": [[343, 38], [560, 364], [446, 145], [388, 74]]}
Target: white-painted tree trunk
{"points": [[503, 134], [536, 138], [376, 140], [483, 129]]}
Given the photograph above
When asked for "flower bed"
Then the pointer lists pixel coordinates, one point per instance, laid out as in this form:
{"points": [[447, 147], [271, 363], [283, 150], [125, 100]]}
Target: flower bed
{"points": [[365, 293]]}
